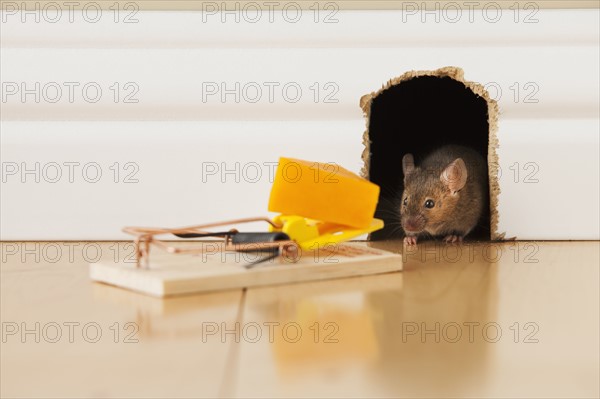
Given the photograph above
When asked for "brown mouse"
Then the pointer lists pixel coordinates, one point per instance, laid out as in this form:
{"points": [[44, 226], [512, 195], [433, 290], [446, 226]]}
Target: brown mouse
{"points": [[445, 195]]}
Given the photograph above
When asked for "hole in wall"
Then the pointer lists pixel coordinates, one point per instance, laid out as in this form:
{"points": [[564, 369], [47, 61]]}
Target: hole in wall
{"points": [[417, 113]]}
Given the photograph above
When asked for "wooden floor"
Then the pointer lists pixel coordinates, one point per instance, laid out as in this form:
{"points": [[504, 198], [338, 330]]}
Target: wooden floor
{"points": [[480, 320]]}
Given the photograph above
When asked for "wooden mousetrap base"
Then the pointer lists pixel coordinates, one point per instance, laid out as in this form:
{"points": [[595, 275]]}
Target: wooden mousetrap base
{"points": [[170, 274]]}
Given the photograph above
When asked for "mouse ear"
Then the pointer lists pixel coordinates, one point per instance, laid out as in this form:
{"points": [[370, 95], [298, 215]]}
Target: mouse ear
{"points": [[408, 164], [455, 175]]}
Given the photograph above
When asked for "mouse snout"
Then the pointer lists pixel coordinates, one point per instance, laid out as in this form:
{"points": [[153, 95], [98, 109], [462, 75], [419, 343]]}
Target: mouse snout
{"points": [[413, 224]]}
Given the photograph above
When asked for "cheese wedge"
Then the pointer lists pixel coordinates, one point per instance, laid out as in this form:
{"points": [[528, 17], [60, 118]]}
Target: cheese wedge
{"points": [[322, 191]]}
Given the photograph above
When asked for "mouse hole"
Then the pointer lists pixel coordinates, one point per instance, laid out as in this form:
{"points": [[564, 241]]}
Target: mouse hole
{"points": [[417, 113]]}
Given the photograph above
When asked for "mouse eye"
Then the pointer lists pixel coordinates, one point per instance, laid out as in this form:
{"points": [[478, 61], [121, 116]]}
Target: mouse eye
{"points": [[405, 202], [429, 204]]}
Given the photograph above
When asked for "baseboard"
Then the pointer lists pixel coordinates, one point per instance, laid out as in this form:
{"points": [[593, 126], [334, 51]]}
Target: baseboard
{"points": [[180, 173]]}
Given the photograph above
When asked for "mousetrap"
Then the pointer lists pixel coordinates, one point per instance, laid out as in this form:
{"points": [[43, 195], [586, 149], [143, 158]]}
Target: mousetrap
{"points": [[294, 250], [319, 212]]}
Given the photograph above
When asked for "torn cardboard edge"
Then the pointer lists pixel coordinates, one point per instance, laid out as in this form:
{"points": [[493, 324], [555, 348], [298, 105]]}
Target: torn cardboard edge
{"points": [[456, 74]]}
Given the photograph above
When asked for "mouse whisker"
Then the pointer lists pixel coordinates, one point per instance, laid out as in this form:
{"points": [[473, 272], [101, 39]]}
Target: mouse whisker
{"points": [[391, 192], [389, 212], [392, 199], [397, 229]]}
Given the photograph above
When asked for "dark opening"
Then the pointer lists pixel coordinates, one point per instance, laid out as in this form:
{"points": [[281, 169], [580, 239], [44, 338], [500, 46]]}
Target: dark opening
{"points": [[416, 116]]}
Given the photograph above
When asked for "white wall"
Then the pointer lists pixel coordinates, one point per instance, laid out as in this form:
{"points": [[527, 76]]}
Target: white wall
{"points": [[544, 74]]}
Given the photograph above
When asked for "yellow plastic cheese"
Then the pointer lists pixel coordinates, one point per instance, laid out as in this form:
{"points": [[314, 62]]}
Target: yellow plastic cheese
{"points": [[322, 191]]}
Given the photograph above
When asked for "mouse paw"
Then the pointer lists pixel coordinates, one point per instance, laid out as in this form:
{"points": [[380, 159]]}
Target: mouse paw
{"points": [[410, 240], [453, 239]]}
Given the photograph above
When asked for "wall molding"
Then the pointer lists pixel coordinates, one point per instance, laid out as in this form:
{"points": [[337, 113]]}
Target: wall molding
{"points": [[195, 5]]}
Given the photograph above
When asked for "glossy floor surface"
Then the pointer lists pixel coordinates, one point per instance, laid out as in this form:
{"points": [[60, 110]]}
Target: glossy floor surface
{"points": [[518, 319]]}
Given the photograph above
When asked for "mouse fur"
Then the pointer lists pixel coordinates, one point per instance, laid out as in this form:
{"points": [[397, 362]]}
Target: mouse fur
{"points": [[445, 195]]}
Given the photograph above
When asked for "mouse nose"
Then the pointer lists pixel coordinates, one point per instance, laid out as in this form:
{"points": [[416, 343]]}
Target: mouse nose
{"points": [[412, 224]]}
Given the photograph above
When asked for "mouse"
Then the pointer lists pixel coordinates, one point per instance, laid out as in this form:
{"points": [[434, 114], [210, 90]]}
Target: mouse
{"points": [[444, 196]]}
